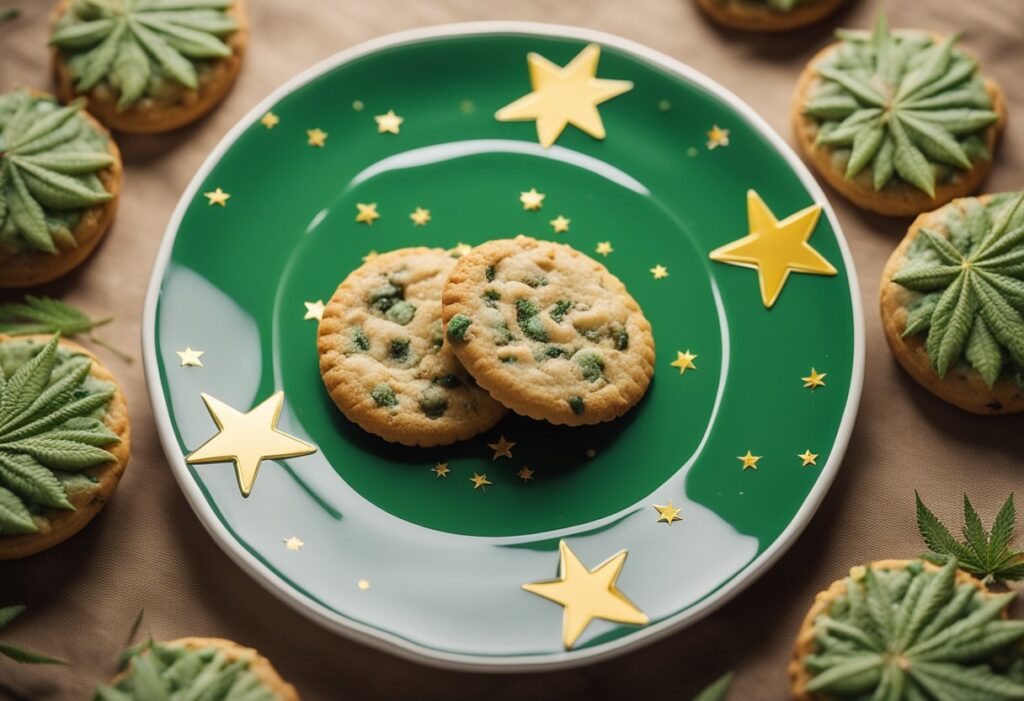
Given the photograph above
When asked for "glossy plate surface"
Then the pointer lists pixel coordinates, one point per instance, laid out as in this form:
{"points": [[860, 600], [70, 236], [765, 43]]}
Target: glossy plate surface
{"points": [[433, 568]]}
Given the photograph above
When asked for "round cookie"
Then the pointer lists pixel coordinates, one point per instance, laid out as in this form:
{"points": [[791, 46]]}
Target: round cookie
{"points": [[383, 356], [768, 15], [548, 331]]}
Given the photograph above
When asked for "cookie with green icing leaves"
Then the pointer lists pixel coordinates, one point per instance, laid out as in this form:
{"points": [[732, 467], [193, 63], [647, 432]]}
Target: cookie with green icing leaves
{"points": [[899, 122], [60, 179], [548, 331], [383, 356], [907, 630], [768, 15], [952, 302], [64, 441], [148, 66]]}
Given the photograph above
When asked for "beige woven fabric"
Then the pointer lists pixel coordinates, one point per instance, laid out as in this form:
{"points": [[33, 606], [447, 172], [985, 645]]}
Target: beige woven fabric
{"points": [[148, 551]]}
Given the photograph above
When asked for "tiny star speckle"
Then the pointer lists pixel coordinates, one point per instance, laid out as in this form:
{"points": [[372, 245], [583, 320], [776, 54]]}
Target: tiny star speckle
{"points": [[218, 196], [420, 216], [502, 449], [525, 474], [316, 137], [363, 584], [532, 200], [367, 213], [808, 458], [440, 470], [293, 543], [388, 123], [460, 249], [659, 272], [480, 481], [190, 357], [370, 256], [684, 361], [717, 137], [270, 120], [668, 513], [560, 224], [814, 380], [749, 461], [314, 310]]}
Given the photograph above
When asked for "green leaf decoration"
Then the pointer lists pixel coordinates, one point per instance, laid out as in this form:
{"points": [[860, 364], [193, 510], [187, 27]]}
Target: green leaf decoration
{"points": [[45, 315], [971, 277], [135, 45], [902, 106], [15, 652], [914, 634], [50, 428], [159, 672], [717, 690]]}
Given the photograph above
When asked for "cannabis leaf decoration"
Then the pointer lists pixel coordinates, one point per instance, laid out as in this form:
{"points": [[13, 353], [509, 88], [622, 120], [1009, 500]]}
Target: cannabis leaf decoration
{"points": [[50, 428], [902, 105], [973, 287], [39, 315], [16, 652], [987, 556], [134, 44], [48, 164], [912, 635]]}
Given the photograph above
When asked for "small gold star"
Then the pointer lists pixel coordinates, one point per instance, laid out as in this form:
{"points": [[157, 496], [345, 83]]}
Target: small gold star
{"points": [[270, 120], [370, 256], [420, 216], [684, 361], [218, 196], [190, 358], [479, 481], [367, 213], [314, 310], [388, 123], [532, 200], [668, 513], [814, 380], [560, 224], [526, 474], [293, 543], [809, 458], [749, 461], [659, 271], [604, 248], [717, 137], [441, 470], [363, 584], [316, 137], [460, 249], [502, 449]]}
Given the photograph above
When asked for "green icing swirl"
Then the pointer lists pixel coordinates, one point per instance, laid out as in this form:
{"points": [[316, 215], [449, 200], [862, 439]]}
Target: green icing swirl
{"points": [[971, 285], [902, 105], [137, 46], [49, 160]]}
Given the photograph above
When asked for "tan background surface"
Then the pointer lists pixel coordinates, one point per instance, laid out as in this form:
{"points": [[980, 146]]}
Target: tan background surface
{"points": [[148, 551]]}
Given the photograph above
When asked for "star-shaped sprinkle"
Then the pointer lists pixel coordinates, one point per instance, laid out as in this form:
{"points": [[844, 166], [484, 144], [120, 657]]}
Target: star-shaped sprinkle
{"points": [[247, 439], [525, 474], [479, 481], [420, 216], [775, 248], [717, 137], [440, 470], [316, 137], [190, 358], [293, 543], [659, 272], [668, 513], [218, 196], [749, 461], [814, 380], [587, 594], [532, 200], [564, 95], [270, 120], [314, 310], [560, 224], [604, 248], [684, 361], [363, 584], [808, 458], [367, 213], [460, 249], [370, 256], [502, 449], [388, 123]]}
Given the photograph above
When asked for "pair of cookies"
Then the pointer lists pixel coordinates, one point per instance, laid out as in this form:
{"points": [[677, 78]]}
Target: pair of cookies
{"points": [[422, 348]]}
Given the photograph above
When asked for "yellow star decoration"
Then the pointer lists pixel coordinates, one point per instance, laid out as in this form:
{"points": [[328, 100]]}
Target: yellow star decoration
{"points": [[668, 513], [604, 248], [316, 137], [370, 256], [525, 474], [659, 272], [441, 470], [776, 248], [363, 584], [460, 249], [684, 361], [314, 310], [717, 137], [531, 200], [388, 123], [367, 213], [218, 196], [502, 449], [479, 481], [749, 461], [809, 458], [564, 95], [814, 380], [587, 594], [420, 216], [293, 543], [270, 120], [190, 358], [560, 224], [247, 439]]}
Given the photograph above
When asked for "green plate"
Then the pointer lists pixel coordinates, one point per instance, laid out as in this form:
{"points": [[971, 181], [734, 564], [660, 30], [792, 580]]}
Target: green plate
{"points": [[431, 567]]}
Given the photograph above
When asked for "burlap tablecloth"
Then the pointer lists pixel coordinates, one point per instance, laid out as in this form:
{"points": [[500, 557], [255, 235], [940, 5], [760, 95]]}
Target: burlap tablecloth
{"points": [[148, 551]]}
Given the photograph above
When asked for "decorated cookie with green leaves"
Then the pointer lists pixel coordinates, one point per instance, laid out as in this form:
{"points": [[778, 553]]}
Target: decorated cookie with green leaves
{"points": [[898, 121], [60, 177], [768, 15], [64, 441], [148, 66], [952, 302]]}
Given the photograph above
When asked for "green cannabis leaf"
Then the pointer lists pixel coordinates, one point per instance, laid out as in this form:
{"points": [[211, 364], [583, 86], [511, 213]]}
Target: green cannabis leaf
{"points": [[717, 690], [987, 556], [15, 652], [973, 285], [132, 44], [903, 105], [47, 315]]}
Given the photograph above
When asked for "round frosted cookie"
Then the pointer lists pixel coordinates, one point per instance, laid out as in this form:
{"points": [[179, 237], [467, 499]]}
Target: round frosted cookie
{"points": [[548, 331], [383, 356]]}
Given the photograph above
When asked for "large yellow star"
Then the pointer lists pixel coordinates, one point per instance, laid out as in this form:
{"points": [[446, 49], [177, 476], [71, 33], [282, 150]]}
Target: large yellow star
{"points": [[587, 594], [564, 95], [247, 439], [776, 248]]}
